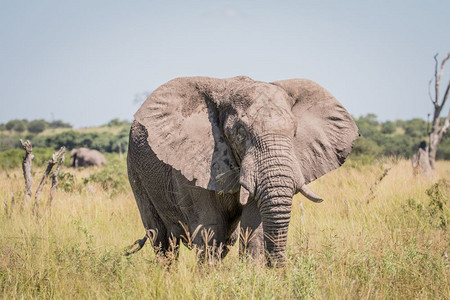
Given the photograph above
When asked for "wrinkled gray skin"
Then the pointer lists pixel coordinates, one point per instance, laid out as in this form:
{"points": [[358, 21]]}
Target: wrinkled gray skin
{"points": [[214, 152], [84, 157]]}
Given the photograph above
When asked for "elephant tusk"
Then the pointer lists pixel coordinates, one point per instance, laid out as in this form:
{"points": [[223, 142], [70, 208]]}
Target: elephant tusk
{"points": [[243, 195], [310, 194]]}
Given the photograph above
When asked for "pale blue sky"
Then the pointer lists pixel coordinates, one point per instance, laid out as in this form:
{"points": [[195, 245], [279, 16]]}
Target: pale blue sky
{"points": [[84, 61]]}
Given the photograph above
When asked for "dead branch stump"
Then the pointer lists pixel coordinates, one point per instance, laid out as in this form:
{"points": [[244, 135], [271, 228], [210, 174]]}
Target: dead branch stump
{"points": [[51, 163], [55, 178], [370, 195], [26, 167]]}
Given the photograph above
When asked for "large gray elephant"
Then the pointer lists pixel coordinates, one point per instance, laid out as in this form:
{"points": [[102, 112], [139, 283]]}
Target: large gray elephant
{"points": [[212, 152], [84, 157]]}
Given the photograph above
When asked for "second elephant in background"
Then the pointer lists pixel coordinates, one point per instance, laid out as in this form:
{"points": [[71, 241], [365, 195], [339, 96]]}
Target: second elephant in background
{"points": [[84, 157]]}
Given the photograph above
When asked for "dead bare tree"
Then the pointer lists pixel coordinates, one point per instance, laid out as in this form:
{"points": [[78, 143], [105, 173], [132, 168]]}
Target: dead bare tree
{"points": [[437, 129], [51, 163], [55, 177], [26, 167]]}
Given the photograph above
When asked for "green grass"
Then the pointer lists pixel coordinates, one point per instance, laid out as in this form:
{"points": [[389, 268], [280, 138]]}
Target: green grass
{"points": [[394, 246]]}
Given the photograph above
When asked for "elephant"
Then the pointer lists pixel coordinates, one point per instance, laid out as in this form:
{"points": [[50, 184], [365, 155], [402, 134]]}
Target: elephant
{"points": [[84, 157], [212, 153]]}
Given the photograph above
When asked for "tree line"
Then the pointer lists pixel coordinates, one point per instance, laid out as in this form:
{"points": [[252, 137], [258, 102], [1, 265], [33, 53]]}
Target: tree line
{"points": [[100, 138], [35, 126], [389, 138], [395, 138]]}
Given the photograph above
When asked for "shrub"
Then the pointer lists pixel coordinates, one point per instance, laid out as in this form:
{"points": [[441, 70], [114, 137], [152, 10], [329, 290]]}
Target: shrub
{"points": [[436, 213], [367, 125], [397, 145], [388, 127], [113, 176], [443, 151], [364, 146], [37, 126], [438, 194], [66, 182], [16, 125], [416, 128], [7, 142], [59, 124]]}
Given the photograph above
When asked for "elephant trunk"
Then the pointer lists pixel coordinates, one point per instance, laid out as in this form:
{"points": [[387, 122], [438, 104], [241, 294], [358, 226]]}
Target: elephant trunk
{"points": [[275, 189]]}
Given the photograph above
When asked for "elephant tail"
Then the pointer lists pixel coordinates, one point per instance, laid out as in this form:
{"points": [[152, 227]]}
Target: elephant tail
{"points": [[137, 245]]}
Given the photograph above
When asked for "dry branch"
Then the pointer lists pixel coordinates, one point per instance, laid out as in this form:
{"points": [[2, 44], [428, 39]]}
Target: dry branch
{"points": [[370, 195], [55, 177], [26, 167], [438, 131], [50, 165]]}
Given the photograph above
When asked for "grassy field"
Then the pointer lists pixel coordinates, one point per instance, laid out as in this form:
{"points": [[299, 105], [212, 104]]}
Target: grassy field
{"points": [[393, 243]]}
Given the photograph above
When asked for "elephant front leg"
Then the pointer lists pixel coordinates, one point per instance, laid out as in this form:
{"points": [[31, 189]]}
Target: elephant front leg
{"points": [[251, 237]]}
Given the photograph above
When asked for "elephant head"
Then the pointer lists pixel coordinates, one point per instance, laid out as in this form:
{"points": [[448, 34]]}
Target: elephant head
{"points": [[263, 140], [73, 158], [83, 157]]}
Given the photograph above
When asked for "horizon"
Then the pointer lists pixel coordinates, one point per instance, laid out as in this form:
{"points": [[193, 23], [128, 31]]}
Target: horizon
{"points": [[86, 63]]}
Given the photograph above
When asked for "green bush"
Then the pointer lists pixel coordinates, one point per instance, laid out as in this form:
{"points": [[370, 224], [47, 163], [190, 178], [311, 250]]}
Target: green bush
{"points": [[367, 125], [365, 146], [16, 125], [443, 151], [37, 126], [388, 127], [59, 124], [11, 159], [416, 128], [397, 145], [113, 176], [66, 182], [8, 142], [436, 213]]}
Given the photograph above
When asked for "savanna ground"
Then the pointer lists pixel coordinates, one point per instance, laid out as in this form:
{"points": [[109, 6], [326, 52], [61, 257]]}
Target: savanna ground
{"points": [[394, 246]]}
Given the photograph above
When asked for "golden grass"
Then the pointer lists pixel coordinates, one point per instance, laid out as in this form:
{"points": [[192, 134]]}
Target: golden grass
{"points": [[394, 246]]}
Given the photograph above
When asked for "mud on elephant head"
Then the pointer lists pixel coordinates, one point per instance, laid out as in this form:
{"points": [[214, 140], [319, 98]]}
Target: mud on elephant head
{"points": [[84, 157], [265, 141]]}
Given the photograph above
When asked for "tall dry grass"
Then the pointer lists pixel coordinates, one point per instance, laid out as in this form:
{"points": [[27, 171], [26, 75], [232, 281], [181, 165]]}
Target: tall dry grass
{"points": [[393, 246]]}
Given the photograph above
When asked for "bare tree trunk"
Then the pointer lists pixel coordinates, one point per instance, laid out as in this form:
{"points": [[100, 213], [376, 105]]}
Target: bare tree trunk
{"points": [[26, 167], [438, 130], [50, 165], [55, 178]]}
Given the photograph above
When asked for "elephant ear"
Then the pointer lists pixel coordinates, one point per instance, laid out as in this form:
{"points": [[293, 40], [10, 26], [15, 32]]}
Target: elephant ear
{"points": [[182, 121], [325, 130]]}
